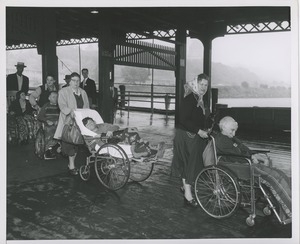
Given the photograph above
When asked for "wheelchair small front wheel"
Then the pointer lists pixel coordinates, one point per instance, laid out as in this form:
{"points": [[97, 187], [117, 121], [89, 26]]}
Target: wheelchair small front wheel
{"points": [[217, 192], [112, 166], [39, 144], [85, 172], [250, 221], [267, 211]]}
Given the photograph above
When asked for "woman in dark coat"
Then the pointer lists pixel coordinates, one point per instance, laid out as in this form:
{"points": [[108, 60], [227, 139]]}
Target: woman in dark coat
{"points": [[189, 141]]}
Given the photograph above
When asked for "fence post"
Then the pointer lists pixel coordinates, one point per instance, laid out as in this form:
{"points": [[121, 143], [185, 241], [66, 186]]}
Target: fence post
{"points": [[152, 96], [167, 103], [122, 98], [128, 104]]}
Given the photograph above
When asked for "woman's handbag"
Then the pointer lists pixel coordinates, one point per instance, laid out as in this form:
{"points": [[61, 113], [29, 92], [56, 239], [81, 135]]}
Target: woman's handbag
{"points": [[71, 134]]}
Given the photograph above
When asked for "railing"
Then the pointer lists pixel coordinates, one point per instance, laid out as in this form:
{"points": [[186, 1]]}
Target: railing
{"points": [[154, 98], [158, 102], [149, 101]]}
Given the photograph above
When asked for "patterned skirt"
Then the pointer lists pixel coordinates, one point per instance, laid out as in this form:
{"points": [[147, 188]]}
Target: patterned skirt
{"points": [[21, 128]]}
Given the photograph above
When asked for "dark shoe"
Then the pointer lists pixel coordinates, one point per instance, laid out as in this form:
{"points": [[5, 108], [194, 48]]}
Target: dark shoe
{"points": [[192, 203], [182, 189], [73, 171], [49, 155], [56, 148]]}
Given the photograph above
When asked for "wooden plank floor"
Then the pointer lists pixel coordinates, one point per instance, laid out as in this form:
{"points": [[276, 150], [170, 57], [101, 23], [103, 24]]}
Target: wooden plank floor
{"points": [[45, 203]]}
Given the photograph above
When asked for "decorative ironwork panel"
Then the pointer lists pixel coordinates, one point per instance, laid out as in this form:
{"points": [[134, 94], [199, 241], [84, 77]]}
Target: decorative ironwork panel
{"points": [[21, 46], [143, 54], [274, 26], [158, 34], [77, 41]]}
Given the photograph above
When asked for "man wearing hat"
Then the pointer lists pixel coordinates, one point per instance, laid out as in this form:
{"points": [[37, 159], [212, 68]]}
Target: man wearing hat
{"points": [[67, 80], [17, 81]]}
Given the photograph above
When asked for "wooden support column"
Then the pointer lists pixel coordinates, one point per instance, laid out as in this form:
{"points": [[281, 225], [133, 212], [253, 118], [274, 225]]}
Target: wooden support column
{"points": [[180, 73], [207, 62], [47, 44], [106, 72], [207, 32]]}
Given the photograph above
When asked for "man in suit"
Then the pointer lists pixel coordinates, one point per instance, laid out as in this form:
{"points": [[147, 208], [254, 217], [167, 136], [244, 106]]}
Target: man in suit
{"points": [[18, 81], [90, 87]]}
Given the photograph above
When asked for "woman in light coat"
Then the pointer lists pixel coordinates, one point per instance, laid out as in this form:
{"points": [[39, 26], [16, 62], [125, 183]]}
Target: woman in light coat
{"points": [[69, 99]]}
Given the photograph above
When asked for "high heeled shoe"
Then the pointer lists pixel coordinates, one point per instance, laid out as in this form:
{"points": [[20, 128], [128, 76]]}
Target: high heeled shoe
{"points": [[192, 203]]}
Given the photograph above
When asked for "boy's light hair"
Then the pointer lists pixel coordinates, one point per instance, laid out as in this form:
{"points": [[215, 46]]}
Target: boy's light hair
{"points": [[226, 121]]}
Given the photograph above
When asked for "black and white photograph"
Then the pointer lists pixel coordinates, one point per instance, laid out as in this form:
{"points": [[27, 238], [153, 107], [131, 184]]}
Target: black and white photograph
{"points": [[150, 121]]}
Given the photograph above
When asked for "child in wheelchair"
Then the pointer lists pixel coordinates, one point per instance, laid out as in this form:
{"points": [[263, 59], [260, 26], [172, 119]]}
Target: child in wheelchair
{"points": [[49, 115], [130, 136], [274, 179]]}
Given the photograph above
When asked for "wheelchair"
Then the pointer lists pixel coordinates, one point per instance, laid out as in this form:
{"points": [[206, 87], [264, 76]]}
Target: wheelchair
{"points": [[220, 188], [114, 163], [40, 142]]}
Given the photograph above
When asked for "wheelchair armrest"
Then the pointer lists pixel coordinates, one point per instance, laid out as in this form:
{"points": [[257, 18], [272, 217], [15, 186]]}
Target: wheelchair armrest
{"points": [[234, 155], [245, 160], [259, 150]]}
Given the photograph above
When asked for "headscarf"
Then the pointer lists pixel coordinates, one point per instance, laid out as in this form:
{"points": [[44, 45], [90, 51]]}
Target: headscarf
{"points": [[192, 87]]}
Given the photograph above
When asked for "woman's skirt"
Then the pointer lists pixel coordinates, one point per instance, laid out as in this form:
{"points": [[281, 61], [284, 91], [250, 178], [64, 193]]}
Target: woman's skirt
{"points": [[187, 155]]}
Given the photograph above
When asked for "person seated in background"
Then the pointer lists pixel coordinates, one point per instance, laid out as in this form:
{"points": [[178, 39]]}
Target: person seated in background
{"points": [[67, 80], [274, 179], [20, 121], [49, 115], [40, 96], [130, 136]]}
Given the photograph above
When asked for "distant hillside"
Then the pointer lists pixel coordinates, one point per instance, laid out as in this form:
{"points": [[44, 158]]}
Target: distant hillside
{"points": [[222, 75]]}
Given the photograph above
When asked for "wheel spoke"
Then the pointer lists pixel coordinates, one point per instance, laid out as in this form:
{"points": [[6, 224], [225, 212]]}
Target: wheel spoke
{"points": [[217, 192]]}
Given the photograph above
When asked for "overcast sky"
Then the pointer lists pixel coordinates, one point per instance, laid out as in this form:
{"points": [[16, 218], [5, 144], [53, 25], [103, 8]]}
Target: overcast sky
{"points": [[267, 54]]}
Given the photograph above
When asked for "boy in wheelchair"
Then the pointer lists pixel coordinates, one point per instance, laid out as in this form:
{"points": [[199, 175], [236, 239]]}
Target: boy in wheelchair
{"points": [[139, 147], [274, 179], [49, 115]]}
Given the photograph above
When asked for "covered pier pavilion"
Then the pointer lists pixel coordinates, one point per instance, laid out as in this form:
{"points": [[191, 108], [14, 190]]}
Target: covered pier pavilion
{"points": [[43, 202], [121, 34]]}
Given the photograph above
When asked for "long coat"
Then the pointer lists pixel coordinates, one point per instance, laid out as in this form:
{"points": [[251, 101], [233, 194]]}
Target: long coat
{"points": [[67, 102], [90, 89], [12, 83]]}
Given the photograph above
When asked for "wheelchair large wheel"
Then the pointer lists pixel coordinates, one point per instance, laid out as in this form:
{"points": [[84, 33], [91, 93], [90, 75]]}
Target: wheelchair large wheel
{"points": [[217, 192], [112, 166], [39, 144], [140, 171]]}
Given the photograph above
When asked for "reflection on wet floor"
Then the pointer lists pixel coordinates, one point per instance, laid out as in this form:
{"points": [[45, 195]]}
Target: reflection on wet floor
{"points": [[139, 119]]}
